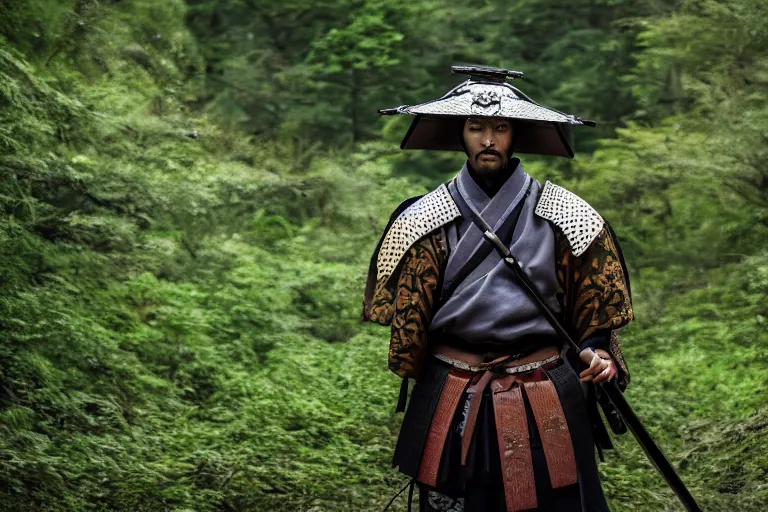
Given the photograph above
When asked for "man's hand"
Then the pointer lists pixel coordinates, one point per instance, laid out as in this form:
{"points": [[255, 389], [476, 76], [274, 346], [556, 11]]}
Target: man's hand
{"points": [[601, 366]]}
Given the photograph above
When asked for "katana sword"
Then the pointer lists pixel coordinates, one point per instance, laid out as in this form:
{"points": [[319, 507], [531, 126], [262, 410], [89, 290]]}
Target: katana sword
{"points": [[651, 449]]}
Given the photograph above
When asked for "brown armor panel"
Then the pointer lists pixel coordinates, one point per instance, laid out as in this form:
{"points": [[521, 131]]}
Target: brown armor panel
{"points": [[553, 430], [454, 387], [515, 450]]}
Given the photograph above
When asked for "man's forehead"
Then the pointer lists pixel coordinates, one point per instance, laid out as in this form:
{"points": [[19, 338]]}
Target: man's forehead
{"points": [[485, 119]]}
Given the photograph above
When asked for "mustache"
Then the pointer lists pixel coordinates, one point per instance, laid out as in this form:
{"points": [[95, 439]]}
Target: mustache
{"points": [[488, 151]]}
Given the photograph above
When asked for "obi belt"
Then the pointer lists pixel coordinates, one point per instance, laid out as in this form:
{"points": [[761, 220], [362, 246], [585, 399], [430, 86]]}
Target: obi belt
{"points": [[442, 448]]}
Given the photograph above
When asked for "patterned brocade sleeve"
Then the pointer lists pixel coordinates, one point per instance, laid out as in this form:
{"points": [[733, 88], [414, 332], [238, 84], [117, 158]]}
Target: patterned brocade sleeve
{"points": [[406, 303], [416, 289], [595, 294], [380, 306], [378, 297]]}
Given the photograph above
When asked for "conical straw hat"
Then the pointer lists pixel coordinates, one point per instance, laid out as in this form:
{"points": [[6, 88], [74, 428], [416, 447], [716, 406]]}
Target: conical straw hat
{"points": [[438, 123]]}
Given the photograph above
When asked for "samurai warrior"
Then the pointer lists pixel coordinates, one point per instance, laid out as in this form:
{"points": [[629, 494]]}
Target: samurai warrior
{"points": [[499, 419]]}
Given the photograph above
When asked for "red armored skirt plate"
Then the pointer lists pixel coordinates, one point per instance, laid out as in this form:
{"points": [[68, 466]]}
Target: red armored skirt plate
{"points": [[511, 431], [454, 387]]}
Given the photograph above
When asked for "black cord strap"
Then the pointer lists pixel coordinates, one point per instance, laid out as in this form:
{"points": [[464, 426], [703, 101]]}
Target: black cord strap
{"points": [[411, 482]]}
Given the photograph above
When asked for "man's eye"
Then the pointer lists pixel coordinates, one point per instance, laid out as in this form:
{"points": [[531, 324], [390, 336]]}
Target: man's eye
{"points": [[474, 128], [502, 127]]}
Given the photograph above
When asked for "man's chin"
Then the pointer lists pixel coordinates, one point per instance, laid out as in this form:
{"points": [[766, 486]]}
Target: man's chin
{"points": [[489, 168]]}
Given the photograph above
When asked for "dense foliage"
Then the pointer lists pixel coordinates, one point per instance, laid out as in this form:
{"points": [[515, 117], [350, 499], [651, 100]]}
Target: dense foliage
{"points": [[190, 193]]}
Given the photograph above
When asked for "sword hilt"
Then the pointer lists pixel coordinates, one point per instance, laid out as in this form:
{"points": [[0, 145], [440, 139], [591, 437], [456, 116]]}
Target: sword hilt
{"points": [[496, 241]]}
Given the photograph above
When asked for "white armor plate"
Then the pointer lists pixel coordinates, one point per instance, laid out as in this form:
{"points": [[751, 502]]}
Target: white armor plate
{"points": [[575, 217], [580, 222], [421, 218]]}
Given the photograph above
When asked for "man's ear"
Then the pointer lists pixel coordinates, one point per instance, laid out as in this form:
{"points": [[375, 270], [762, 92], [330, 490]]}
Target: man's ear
{"points": [[512, 125], [460, 134]]}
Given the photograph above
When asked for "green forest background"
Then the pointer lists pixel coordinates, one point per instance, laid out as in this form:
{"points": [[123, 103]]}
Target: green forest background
{"points": [[190, 193]]}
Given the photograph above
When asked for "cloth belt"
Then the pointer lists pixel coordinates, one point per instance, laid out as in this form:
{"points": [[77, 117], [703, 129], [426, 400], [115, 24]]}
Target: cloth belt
{"points": [[511, 424]]}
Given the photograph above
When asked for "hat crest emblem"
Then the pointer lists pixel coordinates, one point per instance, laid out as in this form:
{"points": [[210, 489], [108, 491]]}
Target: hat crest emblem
{"points": [[486, 102]]}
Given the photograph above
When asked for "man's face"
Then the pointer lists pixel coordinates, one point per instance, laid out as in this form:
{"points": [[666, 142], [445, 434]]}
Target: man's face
{"points": [[488, 141]]}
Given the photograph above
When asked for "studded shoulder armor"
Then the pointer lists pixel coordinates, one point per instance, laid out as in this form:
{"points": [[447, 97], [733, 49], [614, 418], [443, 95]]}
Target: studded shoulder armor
{"points": [[421, 218], [579, 222]]}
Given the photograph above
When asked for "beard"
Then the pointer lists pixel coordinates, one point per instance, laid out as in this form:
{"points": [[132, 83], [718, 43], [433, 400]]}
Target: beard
{"points": [[488, 167]]}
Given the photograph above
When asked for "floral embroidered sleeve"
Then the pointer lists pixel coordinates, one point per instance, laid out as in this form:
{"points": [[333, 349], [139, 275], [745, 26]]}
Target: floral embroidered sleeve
{"points": [[380, 306], [416, 287], [405, 301], [378, 298], [595, 294]]}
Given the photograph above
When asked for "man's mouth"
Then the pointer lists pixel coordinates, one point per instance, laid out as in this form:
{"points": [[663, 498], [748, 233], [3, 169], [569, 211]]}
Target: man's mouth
{"points": [[491, 154]]}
